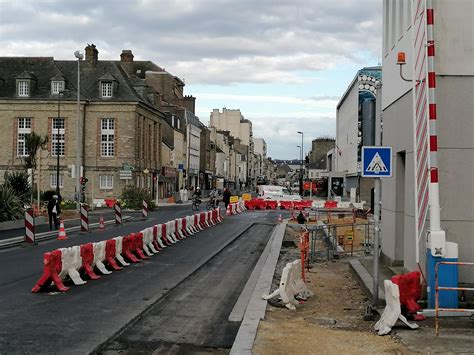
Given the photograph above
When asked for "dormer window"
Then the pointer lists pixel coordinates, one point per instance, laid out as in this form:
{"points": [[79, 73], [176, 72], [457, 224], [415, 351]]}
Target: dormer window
{"points": [[107, 89], [23, 88], [57, 86]]}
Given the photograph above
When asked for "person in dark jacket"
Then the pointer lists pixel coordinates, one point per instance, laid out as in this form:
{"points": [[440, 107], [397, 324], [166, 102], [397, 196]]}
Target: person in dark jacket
{"points": [[54, 210], [226, 197], [301, 218]]}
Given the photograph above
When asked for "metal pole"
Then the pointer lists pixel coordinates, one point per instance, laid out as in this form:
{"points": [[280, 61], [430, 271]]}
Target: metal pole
{"points": [[57, 144], [377, 186], [78, 134]]}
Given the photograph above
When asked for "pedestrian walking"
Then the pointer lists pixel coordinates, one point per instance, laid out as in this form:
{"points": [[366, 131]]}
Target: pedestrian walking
{"points": [[301, 218], [54, 211], [226, 197], [185, 194]]}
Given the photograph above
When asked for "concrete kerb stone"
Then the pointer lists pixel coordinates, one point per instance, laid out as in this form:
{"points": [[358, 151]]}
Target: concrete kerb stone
{"points": [[256, 308], [7, 243], [366, 279]]}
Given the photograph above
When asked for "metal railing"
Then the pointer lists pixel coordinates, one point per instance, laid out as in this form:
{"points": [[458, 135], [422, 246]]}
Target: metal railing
{"points": [[442, 288]]}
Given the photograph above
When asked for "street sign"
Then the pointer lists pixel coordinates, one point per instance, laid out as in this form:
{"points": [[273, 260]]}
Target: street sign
{"points": [[127, 167], [377, 161], [234, 199], [125, 174]]}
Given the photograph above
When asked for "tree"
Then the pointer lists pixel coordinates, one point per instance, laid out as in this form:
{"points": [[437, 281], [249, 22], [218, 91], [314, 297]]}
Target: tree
{"points": [[33, 143]]}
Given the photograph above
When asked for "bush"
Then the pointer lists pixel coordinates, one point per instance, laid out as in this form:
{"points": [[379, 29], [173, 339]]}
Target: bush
{"points": [[18, 182], [68, 205], [132, 197], [11, 207]]}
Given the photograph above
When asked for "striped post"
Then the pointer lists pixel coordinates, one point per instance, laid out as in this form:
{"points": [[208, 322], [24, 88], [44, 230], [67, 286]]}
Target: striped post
{"points": [[29, 226], [84, 218], [145, 210], [118, 213]]}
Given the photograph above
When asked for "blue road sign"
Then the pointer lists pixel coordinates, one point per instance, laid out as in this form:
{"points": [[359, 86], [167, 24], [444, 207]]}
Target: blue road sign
{"points": [[377, 161]]}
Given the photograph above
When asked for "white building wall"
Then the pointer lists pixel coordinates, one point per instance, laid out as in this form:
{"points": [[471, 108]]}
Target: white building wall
{"points": [[454, 65]]}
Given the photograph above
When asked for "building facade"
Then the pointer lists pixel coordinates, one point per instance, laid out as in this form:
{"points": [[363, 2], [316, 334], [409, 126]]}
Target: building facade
{"points": [[454, 43]]}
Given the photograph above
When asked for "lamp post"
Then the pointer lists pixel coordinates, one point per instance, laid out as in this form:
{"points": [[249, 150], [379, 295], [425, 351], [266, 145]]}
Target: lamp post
{"points": [[79, 57], [57, 143], [298, 146], [301, 170]]}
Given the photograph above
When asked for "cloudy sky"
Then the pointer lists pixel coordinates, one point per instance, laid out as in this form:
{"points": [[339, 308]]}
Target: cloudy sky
{"points": [[283, 63]]}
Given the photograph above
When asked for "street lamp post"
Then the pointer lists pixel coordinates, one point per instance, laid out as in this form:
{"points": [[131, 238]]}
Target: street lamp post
{"points": [[57, 143], [301, 170], [79, 57]]}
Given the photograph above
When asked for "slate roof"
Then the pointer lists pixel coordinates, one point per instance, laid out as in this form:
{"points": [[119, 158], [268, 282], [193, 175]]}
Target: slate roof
{"points": [[41, 70]]}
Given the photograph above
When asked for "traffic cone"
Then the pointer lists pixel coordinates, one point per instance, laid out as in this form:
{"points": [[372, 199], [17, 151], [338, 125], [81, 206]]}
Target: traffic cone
{"points": [[62, 232], [280, 220], [228, 212], [101, 223]]}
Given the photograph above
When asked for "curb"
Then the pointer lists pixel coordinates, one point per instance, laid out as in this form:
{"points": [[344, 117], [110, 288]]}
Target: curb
{"points": [[366, 279], [257, 306], [15, 241]]}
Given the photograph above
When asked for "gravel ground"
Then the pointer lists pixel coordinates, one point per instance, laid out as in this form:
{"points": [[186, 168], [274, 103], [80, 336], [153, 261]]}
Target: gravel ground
{"points": [[330, 322]]}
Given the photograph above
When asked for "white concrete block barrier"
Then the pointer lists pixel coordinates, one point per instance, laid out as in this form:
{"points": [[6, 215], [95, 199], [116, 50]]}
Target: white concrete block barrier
{"points": [[190, 225], [71, 263], [99, 257], [170, 232], [392, 311], [118, 251], [148, 246]]}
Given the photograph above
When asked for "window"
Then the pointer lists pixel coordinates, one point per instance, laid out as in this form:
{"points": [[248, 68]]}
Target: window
{"points": [[107, 89], [107, 146], [57, 87], [52, 180], [24, 129], [23, 88], [106, 182], [57, 136]]}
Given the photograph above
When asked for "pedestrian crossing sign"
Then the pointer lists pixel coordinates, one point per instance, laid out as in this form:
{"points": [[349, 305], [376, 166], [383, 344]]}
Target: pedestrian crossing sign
{"points": [[377, 161]]}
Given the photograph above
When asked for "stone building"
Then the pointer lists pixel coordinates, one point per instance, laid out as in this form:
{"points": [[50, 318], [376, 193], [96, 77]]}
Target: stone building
{"points": [[119, 122]]}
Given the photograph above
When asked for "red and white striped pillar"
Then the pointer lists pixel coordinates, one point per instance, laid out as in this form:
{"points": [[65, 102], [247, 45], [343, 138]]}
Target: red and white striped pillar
{"points": [[437, 236], [84, 218], [118, 213], [145, 210], [29, 226]]}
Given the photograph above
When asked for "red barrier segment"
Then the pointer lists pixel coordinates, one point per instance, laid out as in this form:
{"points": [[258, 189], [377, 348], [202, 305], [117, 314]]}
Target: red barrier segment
{"points": [[330, 204], [410, 290], [184, 227], [260, 204], [155, 238], [163, 235], [176, 230], [271, 204], [138, 237], [87, 256], [110, 252], [128, 247], [202, 220], [250, 205], [52, 267]]}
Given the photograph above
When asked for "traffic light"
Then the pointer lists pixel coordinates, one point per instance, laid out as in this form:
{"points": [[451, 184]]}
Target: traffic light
{"points": [[83, 180]]}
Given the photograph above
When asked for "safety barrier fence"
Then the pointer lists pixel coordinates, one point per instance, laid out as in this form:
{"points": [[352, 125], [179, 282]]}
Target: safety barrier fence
{"points": [[110, 255], [442, 288]]}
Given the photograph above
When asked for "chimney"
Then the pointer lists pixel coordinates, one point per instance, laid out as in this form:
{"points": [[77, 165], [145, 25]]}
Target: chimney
{"points": [[92, 54], [126, 56], [190, 103], [126, 61]]}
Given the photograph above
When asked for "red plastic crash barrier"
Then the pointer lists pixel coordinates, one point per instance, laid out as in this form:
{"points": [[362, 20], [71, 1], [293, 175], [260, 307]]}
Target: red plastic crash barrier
{"points": [[87, 256], [260, 204], [184, 227], [250, 204], [410, 290], [271, 204], [110, 253], [286, 205], [330, 204], [138, 237], [52, 266], [202, 220], [110, 202], [197, 222], [163, 235], [177, 231], [128, 247], [299, 205], [155, 238]]}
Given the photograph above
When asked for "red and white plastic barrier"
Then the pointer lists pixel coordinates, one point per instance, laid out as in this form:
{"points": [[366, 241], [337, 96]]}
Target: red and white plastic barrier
{"points": [[84, 218], [114, 254], [29, 226]]}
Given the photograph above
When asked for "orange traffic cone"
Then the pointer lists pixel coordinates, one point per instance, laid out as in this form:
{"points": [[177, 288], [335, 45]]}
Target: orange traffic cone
{"points": [[280, 220], [62, 232], [101, 223]]}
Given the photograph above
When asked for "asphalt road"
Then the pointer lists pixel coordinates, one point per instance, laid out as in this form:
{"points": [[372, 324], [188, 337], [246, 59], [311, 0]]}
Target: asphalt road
{"points": [[86, 316]]}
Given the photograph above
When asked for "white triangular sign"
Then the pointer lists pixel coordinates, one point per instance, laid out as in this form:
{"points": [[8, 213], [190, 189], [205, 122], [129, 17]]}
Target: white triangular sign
{"points": [[377, 165]]}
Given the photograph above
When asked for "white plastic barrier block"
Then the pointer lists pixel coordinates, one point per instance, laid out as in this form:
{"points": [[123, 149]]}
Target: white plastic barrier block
{"points": [[285, 290], [344, 204], [71, 263], [300, 288], [148, 246], [180, 228], [99, 257], [358, 205], [392, 311], [189, 225], [170, 232], [317, 204], [118, 251]]}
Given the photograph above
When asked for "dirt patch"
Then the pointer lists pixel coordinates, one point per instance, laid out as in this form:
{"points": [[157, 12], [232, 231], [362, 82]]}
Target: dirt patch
{"points": [[330, 322]]}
